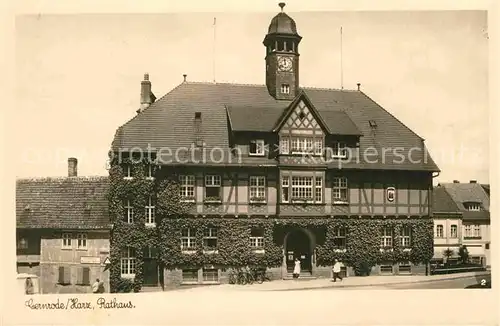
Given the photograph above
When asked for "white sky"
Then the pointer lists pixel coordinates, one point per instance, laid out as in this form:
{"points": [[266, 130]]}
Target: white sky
{"points": [[78, 76]]}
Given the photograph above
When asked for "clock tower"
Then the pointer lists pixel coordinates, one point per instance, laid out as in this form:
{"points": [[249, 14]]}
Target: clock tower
{"points": [[282, 57]]}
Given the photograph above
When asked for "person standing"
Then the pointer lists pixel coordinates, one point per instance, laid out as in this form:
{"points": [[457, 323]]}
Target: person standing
{"points": [[337, 267], [28, 286], [101, 287], [95, 286], [296, 269]]}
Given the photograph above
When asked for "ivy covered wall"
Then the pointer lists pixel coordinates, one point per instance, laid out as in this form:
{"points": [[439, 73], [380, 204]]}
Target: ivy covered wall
{"points": [[233, 240]]}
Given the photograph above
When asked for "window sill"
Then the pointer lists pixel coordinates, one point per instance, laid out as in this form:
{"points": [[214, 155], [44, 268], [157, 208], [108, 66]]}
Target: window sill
{"points": [[191, 200], [82, 249], [67, 248], [407, 249], [340, 250], [150, 225], [386, 249], [128, 178], [257, 154], [188, 252], [258, 202], [340, 203], [128, 276], [150, 178], [212, 201], [211, 282], [258, 251], [472, 238], [210, 252], [190, 283]]}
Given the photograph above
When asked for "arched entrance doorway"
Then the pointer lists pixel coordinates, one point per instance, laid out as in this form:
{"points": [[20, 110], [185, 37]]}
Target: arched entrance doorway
{"points": [[298, 245]]}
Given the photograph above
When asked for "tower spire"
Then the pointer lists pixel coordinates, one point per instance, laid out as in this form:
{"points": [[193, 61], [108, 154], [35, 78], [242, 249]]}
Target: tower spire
{"points": [[282, 5]]}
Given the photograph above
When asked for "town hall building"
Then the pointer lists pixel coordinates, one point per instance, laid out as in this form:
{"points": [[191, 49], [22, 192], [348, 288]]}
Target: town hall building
{"points": [[239, 175]]}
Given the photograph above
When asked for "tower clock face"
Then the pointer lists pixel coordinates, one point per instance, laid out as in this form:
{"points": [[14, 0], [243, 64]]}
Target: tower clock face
{"points": [[285, 64]]}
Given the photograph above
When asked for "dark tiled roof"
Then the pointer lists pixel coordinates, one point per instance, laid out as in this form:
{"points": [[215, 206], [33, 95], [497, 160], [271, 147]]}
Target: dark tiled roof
{"points": [[469, 192], [169, 122], [443, 203], [62, 203]]}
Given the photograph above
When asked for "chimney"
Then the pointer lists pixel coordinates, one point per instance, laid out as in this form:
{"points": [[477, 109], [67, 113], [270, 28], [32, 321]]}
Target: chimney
{"points": [[456, 181], [185, 76], [473, 181], [197, 129], [72, 167], [146, 99], [359, 86]]}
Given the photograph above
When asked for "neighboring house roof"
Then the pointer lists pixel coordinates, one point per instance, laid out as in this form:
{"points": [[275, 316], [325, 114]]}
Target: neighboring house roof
{"points": [[442, 203], [62, 203], [469, 192], [169, 122]]}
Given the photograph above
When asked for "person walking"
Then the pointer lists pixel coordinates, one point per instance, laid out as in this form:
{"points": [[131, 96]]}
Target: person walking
{"points": [[337, 267], [28, 286], [296, 269]]}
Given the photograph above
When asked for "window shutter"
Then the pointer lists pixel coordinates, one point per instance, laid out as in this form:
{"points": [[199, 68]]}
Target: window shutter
{"points": [[67, 275], [61, 275], [86, 276], [79, 275]]}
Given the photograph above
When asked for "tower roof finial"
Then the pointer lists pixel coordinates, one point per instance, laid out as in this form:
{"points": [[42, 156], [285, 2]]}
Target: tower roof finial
{"points": [[282, 5]]}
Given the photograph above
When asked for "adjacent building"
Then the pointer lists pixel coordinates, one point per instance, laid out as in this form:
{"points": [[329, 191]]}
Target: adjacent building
{"points": [[462, 217], [63, 230], [268, 174]]}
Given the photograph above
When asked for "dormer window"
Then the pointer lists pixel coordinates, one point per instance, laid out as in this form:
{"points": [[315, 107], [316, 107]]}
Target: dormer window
{"points": [[339, 150], [472, 207], [257, 147], [285, 88]]}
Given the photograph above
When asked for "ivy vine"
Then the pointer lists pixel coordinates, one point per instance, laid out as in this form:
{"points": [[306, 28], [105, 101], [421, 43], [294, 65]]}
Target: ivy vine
{"points": [[233, 241]]}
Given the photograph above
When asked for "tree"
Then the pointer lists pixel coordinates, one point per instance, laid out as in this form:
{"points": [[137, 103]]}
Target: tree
{"points": [[447, 253], [464, 254]]}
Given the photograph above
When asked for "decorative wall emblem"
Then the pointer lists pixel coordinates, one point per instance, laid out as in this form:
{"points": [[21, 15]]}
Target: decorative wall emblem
{"points": [[391, 194]]}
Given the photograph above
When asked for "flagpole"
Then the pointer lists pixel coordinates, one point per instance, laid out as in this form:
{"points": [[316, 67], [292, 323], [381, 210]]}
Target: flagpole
{"points": [[341, 63], [213, 63]]}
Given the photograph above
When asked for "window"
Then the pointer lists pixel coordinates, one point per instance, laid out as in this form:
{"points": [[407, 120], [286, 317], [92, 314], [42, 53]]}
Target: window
{"points": [[386, 237], [257, 147], [210, 275], [285, 189], [127, 262], [340, 238], [188, 237], [257, 189], [64, 275], [454, 231], [150, 212], [318, 146], [405, 268], [212, 187], [210, 239], [66, 241], [386, 269], [473, 207], [127, 171], [129, 212], [190, 275], [487, 246], [284, 146], [22, 243], [339, 150], [149, 171], [186, 187], [339, 190], [472, 231], [439, 231], [406, 236], [302, 145], [81, 241], [302, 188], [257, 238], [83, 276], [318, 190], [285, 88]]}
